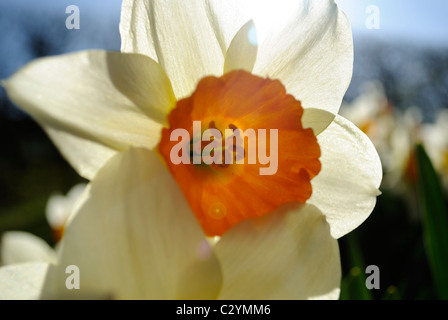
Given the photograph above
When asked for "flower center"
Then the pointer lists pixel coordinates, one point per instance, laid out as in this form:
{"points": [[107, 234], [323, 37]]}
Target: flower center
{"points": [[225, 148], [237, 149]]}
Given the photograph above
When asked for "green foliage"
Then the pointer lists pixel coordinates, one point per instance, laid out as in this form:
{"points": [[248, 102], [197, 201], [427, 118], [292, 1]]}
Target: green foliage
{"points": [[435, 221], [353, 286]]}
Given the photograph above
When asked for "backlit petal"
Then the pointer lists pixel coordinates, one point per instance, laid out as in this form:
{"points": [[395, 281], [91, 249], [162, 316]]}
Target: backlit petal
{"points": [[84, 155], [94, 103], [310, 50], [177, 34], [308, 45], [242, 52], [135, 238], [22, 281], [347, 186], [317, 119], [20, 247], [288, 254]]}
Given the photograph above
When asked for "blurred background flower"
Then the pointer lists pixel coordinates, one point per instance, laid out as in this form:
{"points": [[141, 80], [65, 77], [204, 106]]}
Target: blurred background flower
{"points": [[398, 96], [22, 247]]}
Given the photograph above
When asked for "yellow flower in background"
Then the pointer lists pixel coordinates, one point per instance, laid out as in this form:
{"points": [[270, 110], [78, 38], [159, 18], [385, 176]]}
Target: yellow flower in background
{"points": [[135, 235]]}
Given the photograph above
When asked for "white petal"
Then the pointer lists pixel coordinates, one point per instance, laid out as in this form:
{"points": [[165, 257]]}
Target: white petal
{"points": [[135, 28], [177, 34], [95, 102], [310, 50], [21, 247], [242, 52], [347, 186], [227, 18], [84, 155], [22, 281], [288, 254], [144, 82], [135, 237], [332, 295], [317, 119]]}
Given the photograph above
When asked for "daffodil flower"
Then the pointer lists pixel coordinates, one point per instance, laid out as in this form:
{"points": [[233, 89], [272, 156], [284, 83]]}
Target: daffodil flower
{"points": [[141, 230], [21, 247]]}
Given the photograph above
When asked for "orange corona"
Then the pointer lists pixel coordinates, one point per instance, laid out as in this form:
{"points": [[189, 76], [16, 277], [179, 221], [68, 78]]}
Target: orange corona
{"points": [[221, 195]]}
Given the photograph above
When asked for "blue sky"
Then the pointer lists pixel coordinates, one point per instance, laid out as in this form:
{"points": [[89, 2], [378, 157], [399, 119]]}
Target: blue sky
{"points": [[418, 21]]}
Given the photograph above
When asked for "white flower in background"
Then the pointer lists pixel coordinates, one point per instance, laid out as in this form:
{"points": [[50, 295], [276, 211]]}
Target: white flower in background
{"points": [[434, 137], [20, 247], [60, 207], [372, 113], [393, 132], [135, 235], [403, 139]]}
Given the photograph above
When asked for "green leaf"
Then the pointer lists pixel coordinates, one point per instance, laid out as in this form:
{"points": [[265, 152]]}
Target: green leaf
{"points": [[435, 220], [353, 285]]}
